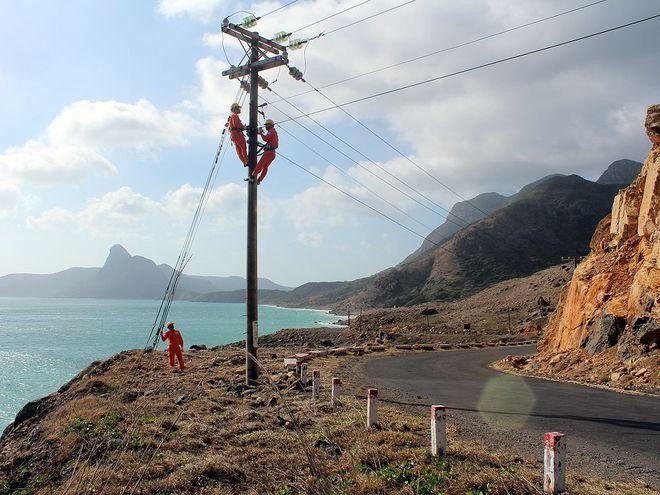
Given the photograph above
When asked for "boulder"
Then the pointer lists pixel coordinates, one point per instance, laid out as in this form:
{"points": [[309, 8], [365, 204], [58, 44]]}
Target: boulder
{"points": [[603, 333]]}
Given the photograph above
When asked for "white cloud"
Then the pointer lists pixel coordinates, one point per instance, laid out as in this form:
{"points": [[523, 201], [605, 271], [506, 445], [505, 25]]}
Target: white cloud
{"points": [[214, 40], [311, 239], [75, 143], [54, 219], [125, 210], [202, 10], [52, 164], [9, 197], [224, 202], [117, 211], [113, 124]]}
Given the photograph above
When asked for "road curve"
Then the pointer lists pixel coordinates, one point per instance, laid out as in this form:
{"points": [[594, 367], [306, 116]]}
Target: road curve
{"points": [[609, 433]]}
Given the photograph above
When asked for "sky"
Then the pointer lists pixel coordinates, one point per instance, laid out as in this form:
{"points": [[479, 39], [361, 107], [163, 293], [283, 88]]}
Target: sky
{"points": [[111, 114]]}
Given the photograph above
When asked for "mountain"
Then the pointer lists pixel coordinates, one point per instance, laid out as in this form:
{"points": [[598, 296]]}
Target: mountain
{"points": [[546, 220], [461, 214], [122, 276], [467, 212], [620, 172], [553, 219]]}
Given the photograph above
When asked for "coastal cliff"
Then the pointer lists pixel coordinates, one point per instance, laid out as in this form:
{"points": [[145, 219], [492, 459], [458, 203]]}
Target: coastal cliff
{"points": [[607, 326]]}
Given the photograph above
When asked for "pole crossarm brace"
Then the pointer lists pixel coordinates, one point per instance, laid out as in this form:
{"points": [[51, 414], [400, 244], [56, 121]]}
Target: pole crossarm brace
{"points": [[267, 63], [243, 34]]}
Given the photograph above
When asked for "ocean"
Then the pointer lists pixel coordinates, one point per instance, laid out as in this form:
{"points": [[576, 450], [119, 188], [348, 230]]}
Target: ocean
{"points": [[46, 342]]}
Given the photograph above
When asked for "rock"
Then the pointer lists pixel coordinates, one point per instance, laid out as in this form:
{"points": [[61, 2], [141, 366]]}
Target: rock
{"points": [[640, 372], [603, 333], [198, 347], [182, 400], [613, 296]]}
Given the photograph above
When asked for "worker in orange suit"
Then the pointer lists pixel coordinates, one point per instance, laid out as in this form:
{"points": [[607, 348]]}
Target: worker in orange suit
{"points": [[236, 129], [174, 344], [271, 143]]}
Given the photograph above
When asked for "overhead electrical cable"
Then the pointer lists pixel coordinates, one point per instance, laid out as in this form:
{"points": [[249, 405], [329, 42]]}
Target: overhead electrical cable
{"points": [[447, 49], [477, 67], [367, 169], [328, 33], [354, 179], [330, 16], [366, 205], [397, 150], [281, 7], [446, 211]]}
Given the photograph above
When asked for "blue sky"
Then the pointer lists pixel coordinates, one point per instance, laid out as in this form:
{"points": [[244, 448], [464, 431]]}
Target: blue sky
{"points": [[110, 114]]}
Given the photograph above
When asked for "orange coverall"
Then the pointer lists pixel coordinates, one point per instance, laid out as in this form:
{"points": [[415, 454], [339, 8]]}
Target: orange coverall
{"points": [[174, 346], [272, 142], [236, 129]]}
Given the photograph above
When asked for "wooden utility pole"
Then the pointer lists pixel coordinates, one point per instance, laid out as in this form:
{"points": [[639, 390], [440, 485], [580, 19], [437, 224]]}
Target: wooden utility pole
{"points": [[259, 46]]}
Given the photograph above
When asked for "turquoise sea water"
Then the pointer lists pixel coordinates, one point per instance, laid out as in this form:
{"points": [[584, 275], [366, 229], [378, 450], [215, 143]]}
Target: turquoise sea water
{"points": [[46, 342]]}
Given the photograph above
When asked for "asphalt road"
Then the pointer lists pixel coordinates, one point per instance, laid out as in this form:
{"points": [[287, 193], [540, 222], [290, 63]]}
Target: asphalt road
{"points": [[608, 433]]}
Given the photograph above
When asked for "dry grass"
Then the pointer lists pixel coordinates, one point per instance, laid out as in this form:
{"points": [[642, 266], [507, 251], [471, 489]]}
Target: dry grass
{"points": [[200, 433]]}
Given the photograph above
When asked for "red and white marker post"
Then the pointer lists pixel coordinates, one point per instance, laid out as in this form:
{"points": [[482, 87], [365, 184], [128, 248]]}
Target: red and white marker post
{"points": [[372, 407], [316, 384], [335, 392], [554, 462], [438, 431]]}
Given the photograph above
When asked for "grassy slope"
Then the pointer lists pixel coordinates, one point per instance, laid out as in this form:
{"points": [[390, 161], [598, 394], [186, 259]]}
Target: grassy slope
{"points": [[132, 423]]}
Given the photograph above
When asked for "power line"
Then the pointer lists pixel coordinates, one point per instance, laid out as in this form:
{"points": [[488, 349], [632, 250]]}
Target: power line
{"points": [[357, 163], [357, 181], [380, 167], [278, 9], [446, 217], [450, 48], [330, 16], [355, 198], [397, 150], [366, 18], [327, 33], [476, 67]]}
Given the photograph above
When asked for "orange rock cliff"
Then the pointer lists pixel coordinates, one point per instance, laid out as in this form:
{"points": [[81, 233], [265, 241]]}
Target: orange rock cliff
{"points": [[612, 304]]}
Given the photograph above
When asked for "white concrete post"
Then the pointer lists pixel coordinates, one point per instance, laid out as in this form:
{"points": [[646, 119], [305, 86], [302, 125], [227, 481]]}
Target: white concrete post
{"points": [[303, 374], [554, 462], [316, 384], [336, 392], [438, 431], [372, 407]]}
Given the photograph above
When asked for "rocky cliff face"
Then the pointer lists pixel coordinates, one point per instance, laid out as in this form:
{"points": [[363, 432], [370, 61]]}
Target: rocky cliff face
{"points": [[610, 311]]}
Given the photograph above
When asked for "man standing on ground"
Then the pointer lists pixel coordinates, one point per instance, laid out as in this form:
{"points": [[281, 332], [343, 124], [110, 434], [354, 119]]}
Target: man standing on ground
{"points": [[174, 344]]}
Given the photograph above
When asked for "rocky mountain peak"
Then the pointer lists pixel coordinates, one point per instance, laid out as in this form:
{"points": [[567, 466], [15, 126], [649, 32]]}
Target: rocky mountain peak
{"points": [[117, 256], [620, 172]]}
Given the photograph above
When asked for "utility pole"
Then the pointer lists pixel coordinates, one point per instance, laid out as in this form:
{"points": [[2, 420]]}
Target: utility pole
{"points": [[259, 47]]}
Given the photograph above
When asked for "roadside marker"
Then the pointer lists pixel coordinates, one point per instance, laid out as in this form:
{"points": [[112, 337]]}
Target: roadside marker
{"points": [[335, 392], [372, 407], [554, 462], [316, 384], [303, 374], [438, 431]]}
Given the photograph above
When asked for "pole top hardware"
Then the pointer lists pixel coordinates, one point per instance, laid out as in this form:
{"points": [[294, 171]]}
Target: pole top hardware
{"points": [[267, 63], [264, 44]]}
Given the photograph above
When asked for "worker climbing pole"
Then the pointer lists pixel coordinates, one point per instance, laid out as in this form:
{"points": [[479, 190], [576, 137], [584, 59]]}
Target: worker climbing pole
{"points": [[259, 48], [236, 129], [271, 142]]}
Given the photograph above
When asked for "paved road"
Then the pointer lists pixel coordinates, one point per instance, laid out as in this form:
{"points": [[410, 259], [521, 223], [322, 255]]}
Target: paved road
{"points": [[617, 435]]}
